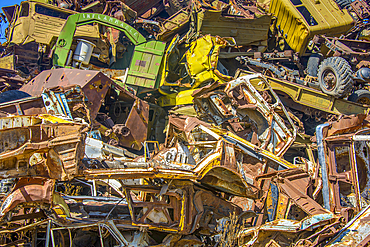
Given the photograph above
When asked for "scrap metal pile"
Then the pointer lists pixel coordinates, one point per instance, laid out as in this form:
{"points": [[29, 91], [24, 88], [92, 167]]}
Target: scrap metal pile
{"points": [[185, 123]]}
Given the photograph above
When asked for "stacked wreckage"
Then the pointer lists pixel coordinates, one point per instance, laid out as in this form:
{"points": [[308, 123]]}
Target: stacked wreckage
{"points": [[185, 123]]}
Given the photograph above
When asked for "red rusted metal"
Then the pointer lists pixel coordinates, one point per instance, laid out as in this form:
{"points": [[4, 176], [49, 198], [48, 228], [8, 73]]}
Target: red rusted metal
{"points": [[29, 190], [94, 84], [361, 8], [141, 6]]}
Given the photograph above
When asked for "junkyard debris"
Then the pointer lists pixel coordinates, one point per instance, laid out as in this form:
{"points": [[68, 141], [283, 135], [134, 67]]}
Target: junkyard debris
{"points": [[185, 123]]}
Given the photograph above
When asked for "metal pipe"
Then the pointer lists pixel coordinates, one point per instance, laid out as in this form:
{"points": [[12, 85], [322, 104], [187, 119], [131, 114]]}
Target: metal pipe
{"points": [[70, 237], [48, 229], [52, 238], [322, 162], [100, 236]]}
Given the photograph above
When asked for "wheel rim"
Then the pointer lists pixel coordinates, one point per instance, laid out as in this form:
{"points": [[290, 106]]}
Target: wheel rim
{"points": [[364, 101], [329, 80]]}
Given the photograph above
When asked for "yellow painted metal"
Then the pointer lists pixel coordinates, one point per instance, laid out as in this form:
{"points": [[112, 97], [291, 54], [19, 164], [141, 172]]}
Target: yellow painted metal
{"points": [[60, 206], [23, 121], [309, 97], [365, 35], [322, 17], [53, 119], [19, 121], [7, 62], [33, 24], [264, 152], [183, 212], [165, 66], [202, 59], [181, 98], [282, 205], [213, 22], [201, 64], [173, 24]]}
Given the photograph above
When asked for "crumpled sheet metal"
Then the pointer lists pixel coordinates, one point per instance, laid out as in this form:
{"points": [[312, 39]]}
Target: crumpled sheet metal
{"points": [[348, 124], [284, 230], [29, 190], [288, 189], [280, 136], [355, 233], [190, 205], [181, 208], [185, 187], [204, 68], [248, 113], [211, 156], [130, 133], [167, 164], [40, 145], [94, 84], [346, 159], [225, 25], [141, 6]]}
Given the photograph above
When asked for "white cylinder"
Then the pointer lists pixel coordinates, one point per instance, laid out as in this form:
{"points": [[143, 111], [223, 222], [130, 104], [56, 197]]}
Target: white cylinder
{"points": [[83, 51]]}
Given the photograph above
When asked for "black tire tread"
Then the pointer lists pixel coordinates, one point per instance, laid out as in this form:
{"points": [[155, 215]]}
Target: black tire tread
{"points": [[343, 3], [343, 72], [358, 94]]}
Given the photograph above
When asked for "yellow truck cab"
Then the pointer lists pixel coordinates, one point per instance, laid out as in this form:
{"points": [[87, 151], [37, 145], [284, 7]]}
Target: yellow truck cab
{"points": [[39, 22], [299, 20]]}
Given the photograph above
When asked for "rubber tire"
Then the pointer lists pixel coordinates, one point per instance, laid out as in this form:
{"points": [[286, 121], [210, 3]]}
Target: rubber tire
{"points": [[343, 3], [358, 95], [313, 64], [12, 95], [343, 75]]}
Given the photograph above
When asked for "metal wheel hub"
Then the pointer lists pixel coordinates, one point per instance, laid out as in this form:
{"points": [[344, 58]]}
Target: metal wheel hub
{"points": [[329, 80]]}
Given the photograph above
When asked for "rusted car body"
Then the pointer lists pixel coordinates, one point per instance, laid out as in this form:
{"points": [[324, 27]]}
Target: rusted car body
{"points": [[127, 122], [343, 158], [238, 106], [204, 154], [148, 133], [184, 207], [41, 145], [356, 232]]}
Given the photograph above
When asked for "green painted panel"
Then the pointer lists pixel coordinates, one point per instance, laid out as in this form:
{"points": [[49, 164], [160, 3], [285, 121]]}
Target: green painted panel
{"points": [[145, 64]]}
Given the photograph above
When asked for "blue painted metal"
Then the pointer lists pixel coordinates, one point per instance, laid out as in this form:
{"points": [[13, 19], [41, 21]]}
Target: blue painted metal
{"points": [[271, 209], [322, 162], [56, 103]]}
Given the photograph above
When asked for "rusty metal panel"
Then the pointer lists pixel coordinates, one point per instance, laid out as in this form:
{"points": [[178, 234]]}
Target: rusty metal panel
{"points": [[27, 106], [361, 8], [133, 132], [94, 84], [30, 148], [355, 233], [223, 25], [29, 190], [141, 6]]}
